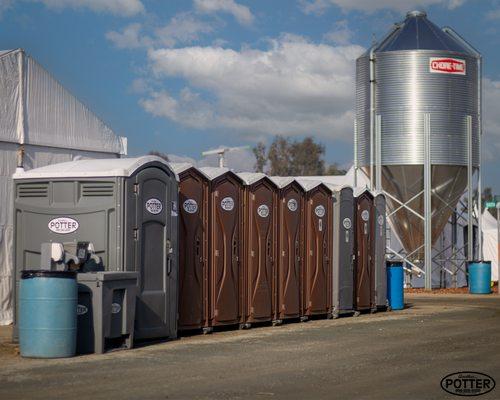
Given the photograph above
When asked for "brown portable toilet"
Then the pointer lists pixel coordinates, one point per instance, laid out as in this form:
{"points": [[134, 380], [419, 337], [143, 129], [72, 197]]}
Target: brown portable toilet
{"points": [[317, 278], [224, 247], [364, 273], [259, 248], [290, 249], [193, 247]]}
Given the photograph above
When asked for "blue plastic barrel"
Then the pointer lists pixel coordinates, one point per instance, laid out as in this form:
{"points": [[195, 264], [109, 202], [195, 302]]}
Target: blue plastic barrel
{"points": [[480, 277], [47, 314], [395, 285]]}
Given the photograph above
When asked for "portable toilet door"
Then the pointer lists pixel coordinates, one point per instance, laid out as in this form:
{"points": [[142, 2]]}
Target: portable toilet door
{"points": [[156, 251], [364, 295], [317, 280], [193, 247], [290, 251], [379, 241], [343, 251], [259, 248], [225, 213]]}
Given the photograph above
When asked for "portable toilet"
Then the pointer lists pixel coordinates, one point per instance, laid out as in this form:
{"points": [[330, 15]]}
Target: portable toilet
{"points": [[317, 279], [364, 274], [290, 248], [259, 248], [343, 251], [379, 245], [193, 247], [224, 247], [127, 208]]}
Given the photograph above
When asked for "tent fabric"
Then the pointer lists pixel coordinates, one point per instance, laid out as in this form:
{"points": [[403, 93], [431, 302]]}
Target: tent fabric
{"points": [[490, 242], [36, 109], [41, 123]]}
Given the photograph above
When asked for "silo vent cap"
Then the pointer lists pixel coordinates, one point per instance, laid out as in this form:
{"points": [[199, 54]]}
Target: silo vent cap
{"points": [[416, 13]]}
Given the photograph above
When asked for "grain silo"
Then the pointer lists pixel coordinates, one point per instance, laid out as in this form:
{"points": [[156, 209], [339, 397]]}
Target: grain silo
{"points": [[418, 129]]}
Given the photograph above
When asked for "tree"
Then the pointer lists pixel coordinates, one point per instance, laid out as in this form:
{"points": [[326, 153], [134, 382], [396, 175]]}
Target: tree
{"points": [[280, 157], [159, 154], [307, 157], [488, 196], [293, 158], [333, 169], [259, 152]]}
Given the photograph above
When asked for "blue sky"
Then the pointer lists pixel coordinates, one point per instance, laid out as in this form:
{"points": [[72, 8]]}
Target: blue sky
{"points": [[185, 76]]}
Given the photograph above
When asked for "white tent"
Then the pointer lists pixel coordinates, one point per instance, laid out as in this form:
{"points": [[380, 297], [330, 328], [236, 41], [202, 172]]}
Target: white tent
{"points": [[490, 242], [41, 123]]}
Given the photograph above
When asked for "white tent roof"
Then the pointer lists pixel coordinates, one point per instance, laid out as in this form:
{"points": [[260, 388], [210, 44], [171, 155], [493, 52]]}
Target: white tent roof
{"points": [[490, 242], [90, 168], [38, 110]]}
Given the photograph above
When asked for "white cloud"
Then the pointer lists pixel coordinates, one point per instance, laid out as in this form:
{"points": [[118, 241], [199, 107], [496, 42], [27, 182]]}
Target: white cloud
{"points": [[493, 14], [295, 87], [182, 28], [242, 13], [129, 38], [124, 8], [341, 34], [369, 6], [491, 119], [187, 109]]}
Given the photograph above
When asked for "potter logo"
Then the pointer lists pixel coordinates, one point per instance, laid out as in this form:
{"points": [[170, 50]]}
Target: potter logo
{"points": [[81, 309], [154, 206], [227, 203], [115, 308], [453, 66], [63, 225], [380, 220], [190, 206], [467, 383], [347, 223], [365, 215], [320, 211], [292, 205], [263, 211]]}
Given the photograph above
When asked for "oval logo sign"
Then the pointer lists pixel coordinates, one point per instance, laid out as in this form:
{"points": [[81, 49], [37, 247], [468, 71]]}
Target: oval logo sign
{"points": [[347, 223], [115, 308], [292, 205], [190, 206], [320, 211], [468, 383], [380, 220], [263, 211], [365, 215], [154, 206], [63, 225], [81, 309], [227, 203]]}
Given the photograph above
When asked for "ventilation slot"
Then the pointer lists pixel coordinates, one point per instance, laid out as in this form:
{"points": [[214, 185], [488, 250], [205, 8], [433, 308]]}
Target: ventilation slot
{"points": [[98, 189], [33, 190]]}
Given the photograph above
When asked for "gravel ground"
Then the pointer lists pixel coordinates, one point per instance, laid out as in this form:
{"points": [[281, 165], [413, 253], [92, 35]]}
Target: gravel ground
{"points": [[390, 355]]}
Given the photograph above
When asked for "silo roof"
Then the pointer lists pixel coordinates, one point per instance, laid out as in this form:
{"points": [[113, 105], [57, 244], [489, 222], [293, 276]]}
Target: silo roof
{"points": [[417, 32]]}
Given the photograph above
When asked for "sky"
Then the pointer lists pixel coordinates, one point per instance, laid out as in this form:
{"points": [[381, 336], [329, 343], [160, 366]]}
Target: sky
{"points": [[186, 76]]}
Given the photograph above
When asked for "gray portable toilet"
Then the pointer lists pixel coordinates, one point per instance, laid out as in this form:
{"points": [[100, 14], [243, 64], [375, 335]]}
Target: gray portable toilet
{"points": [[379, 231], [343, 250], [126, 207]]}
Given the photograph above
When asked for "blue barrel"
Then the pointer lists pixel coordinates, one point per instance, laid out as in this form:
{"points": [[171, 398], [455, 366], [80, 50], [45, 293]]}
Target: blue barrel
{"points": [[47, 314], [395, 285], [480, 277]]}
